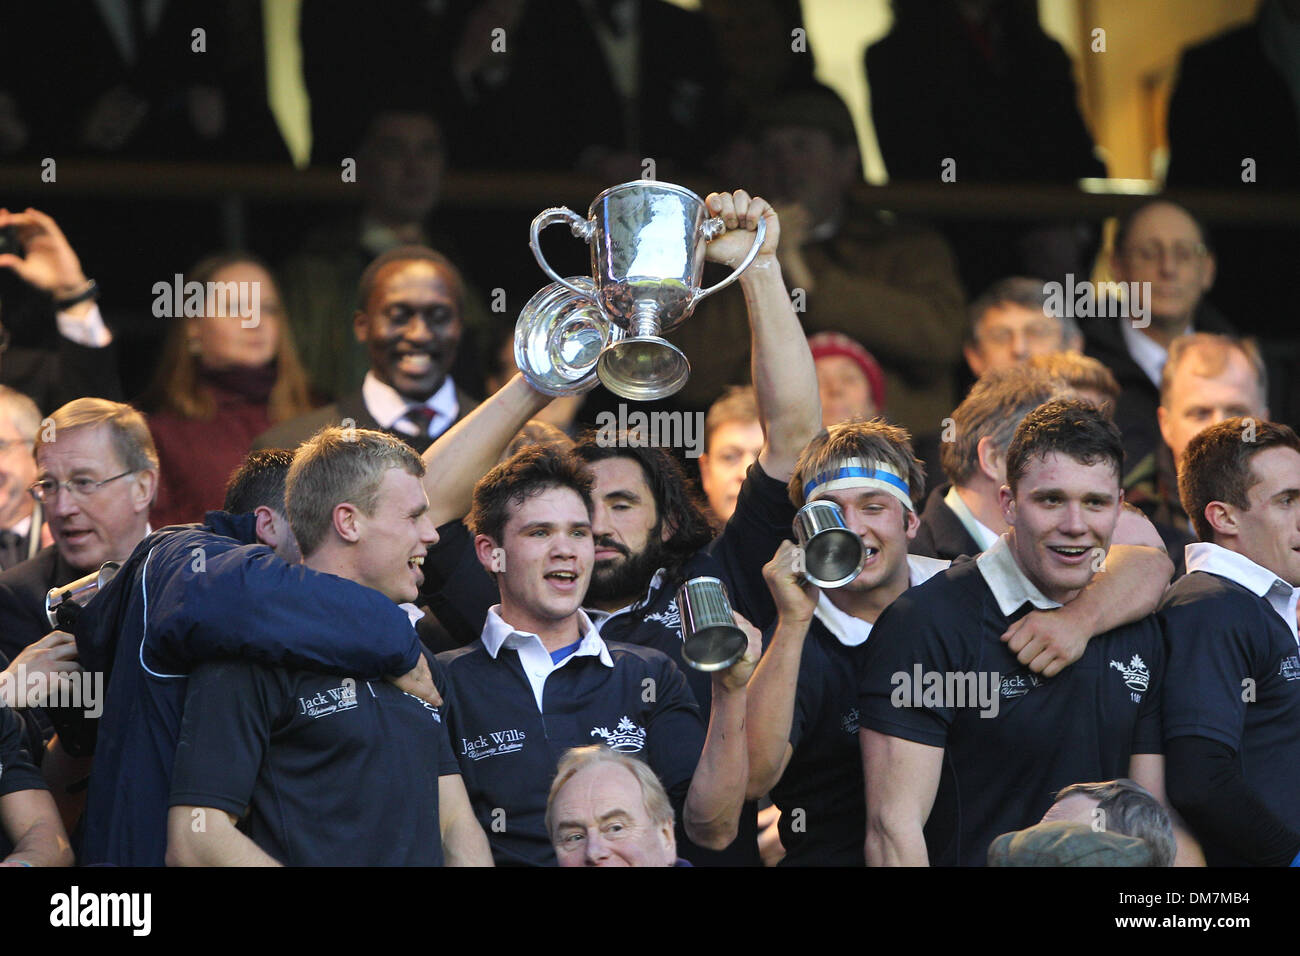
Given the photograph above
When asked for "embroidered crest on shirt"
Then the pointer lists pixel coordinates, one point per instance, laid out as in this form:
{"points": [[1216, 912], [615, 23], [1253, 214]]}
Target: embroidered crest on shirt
{"points": [[626, 738], [668, 617], [849, 722], [1135, 674], [1290, 669], [427, 706]]}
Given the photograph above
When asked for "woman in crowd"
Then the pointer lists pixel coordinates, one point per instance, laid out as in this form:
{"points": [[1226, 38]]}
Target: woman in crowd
{"points": [[225, 377]]}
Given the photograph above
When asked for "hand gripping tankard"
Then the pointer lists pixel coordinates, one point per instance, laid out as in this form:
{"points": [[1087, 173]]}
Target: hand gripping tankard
{"points": [[647, 244]]}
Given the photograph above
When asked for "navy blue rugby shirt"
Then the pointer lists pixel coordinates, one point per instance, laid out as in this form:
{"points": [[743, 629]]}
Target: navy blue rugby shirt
{"points": [[460, 592], [1001, 771], [823, 813], [17, 772], [512, 712], [762, 519], [1224, 624], [332, 771], [192, 593]]}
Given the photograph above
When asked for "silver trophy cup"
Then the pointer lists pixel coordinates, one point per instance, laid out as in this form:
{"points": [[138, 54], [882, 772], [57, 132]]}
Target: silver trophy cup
{"points": [[832, 554], [711, 641], [647, 244]]}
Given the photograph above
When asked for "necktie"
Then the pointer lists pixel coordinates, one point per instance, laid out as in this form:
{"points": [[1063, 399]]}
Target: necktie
{"points": [[421, 416]]}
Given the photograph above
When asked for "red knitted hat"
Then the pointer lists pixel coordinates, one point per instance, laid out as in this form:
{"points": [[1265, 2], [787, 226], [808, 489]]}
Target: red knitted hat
{"points": [[824, 344]]}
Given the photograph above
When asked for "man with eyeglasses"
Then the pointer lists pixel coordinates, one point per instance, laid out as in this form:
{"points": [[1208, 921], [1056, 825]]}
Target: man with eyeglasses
{"points": [[96, 474], [1010, 324], [1165, 249]]}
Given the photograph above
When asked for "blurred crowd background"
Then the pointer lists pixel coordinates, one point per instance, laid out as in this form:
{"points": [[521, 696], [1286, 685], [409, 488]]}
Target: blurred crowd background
{"points": [[971, 140]]}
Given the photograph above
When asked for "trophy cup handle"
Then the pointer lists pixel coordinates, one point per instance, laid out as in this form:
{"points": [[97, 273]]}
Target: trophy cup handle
{"points": [[712, 229], [581, 229]]}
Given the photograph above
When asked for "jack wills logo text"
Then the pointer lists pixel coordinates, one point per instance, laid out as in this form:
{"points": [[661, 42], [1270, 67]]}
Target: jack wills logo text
{"points": [[331, 701], [492, 744]]}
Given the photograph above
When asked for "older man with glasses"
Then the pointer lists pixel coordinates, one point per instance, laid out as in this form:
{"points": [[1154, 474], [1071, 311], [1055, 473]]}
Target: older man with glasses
{"points": [[1165, 249], [96, 474]]}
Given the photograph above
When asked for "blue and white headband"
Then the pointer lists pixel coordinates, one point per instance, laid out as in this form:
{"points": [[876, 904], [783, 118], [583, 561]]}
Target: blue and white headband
{"points": [[857, 473]]}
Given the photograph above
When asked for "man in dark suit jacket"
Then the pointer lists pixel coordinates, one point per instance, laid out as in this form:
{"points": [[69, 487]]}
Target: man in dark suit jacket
{"points": [[22, 598], [96, 497], [1236, 98], [941, 534], [1162, 244], [1207, 379], [410, 321]]}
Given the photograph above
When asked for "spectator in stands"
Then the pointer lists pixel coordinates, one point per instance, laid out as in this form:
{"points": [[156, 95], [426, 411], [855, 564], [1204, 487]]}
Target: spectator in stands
{"points": [[1084, 375], [733, 439], [51, 280], [964, 515], [891, 287], [97, 472], [14, 130], [999, 96], [401, 159], [606, 809], [411, 302], [1011, 322], [22, 518], [224, 379], [975, 91], [744, 27], [96, 476], [849, 378], [1234, 125], [1067, 843], [1207, 378], [1119, 806], [651, 71], [147, 85], [1163, 247]]}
